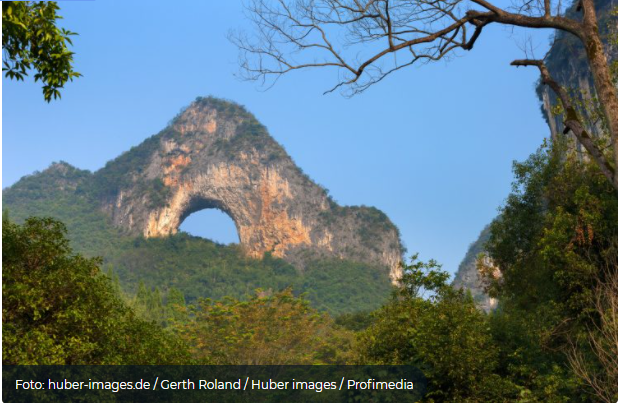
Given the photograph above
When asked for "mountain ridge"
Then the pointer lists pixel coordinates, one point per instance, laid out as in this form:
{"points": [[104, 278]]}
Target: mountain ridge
{"points": [[215, 154], [95, 206]]}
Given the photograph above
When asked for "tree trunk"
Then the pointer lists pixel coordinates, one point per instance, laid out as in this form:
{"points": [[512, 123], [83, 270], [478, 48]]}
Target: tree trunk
{"points": [[602, 78]]}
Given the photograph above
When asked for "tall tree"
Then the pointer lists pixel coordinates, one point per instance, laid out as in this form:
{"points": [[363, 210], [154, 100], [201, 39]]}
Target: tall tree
{"points": [[366, 40], [438, 329], [31, 40], [555, 243]]}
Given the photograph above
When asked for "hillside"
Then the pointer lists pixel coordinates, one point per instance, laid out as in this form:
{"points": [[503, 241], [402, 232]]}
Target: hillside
{"points": [[467, 275], [216, 155]]}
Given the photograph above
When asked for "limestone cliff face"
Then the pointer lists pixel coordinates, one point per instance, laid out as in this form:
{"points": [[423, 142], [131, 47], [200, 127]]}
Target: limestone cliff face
{"points": [[468, 277], [217, 155], [568, 65]]}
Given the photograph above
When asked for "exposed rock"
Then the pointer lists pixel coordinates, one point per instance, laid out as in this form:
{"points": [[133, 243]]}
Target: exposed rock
{"points": [[468, 277], [567, 63], [215, 154]]}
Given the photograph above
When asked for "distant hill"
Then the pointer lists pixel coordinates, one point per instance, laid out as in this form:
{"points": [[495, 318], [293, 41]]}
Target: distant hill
{"points": [[467, 275]]}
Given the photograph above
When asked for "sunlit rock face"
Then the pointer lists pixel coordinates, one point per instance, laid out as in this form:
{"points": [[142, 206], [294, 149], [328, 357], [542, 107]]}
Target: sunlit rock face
{"points": [[568, 65], [215, 154]]}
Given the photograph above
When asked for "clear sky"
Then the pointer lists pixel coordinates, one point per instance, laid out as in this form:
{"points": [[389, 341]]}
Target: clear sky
{"points": [[431, 146]]}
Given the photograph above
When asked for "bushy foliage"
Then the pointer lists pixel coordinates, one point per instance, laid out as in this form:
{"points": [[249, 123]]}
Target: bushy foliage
{"points": [[32, 40], [355, 321], [554, 243], [342, 286], [556, 234], [265, 330], [438, 329], [203, 269], [59, 309]]}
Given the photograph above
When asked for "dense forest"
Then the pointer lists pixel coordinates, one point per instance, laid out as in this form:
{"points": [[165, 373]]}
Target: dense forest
{"points": [[197, 267], [550, 338]]}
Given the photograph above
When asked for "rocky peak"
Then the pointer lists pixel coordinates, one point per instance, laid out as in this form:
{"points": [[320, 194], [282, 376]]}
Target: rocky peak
{"points": [[215, 154]]}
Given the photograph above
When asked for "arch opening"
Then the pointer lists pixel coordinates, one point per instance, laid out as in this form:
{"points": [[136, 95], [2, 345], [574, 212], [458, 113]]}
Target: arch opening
{"points": [[206, 219]]}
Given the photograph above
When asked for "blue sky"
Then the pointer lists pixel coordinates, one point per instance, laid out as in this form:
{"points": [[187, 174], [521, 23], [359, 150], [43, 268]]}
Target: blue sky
{"points": [[431, 146]]}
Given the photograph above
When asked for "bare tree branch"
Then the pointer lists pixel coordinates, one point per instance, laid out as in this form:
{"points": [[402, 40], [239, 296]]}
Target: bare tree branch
{"points": [[602, 340], [367, 40], [426, 29]]}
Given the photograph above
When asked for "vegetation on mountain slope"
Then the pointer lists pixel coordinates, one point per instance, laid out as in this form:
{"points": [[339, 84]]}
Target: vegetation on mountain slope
{"points": [[198, 267]]}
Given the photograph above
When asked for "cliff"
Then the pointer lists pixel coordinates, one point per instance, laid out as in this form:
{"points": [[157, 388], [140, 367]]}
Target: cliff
{"points": [[215, 154], [567, 63], [467, 275]]}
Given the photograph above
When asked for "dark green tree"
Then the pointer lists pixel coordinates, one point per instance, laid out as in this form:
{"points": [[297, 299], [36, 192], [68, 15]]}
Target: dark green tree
{"points": [[58, 308], [31, 40], [430, 325], [555, 248], [175, 305]]}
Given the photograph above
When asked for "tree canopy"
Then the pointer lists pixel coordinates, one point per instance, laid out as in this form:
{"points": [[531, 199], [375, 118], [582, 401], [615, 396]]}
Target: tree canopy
{"points": [[268, 329], [58, 309], [31, 40]]}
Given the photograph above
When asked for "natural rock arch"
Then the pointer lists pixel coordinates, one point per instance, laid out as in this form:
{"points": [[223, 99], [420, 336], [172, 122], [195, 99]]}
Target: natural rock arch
{"points": [[208, 220], [217, 155]]}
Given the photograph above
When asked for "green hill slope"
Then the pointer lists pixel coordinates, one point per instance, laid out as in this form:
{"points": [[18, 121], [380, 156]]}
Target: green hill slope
{"points": [[196, 266]]}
